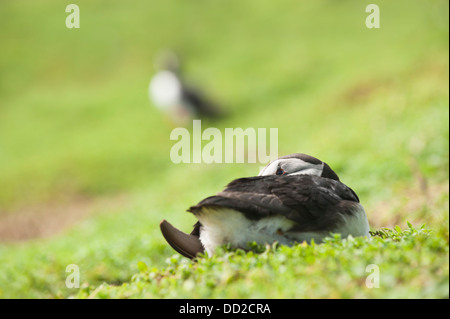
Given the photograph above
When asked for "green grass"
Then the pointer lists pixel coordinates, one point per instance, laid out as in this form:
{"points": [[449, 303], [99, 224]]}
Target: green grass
{"points": [[411, 264], [76, 126]]}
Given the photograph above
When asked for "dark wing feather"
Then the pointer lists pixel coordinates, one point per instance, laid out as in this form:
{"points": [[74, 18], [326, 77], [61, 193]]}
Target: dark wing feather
{"points": [[309, 201], [198, 101]]}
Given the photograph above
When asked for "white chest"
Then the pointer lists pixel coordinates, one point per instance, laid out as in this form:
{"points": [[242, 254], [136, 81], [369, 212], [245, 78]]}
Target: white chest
{"points": [[165, 89], [222, 226]]}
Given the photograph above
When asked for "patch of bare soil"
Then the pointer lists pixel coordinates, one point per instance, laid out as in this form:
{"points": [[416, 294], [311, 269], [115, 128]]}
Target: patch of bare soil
{"points": [[46, 220], [420, 204]]}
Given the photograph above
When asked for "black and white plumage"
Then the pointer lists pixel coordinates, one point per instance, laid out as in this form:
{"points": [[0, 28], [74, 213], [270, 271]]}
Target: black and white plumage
{"points": [[295, 198], [173, 96]]}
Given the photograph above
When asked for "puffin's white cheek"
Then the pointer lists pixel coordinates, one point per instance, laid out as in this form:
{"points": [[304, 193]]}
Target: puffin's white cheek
{"points": [[309, 171], [269, 169]]}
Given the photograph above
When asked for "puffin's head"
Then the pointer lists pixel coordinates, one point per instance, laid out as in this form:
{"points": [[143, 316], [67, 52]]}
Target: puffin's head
{"points": [[167, 60], [298, 164]]}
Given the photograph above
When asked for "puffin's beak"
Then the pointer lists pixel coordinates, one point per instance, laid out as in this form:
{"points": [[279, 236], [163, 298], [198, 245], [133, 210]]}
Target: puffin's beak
{"points": [[187, 245]]}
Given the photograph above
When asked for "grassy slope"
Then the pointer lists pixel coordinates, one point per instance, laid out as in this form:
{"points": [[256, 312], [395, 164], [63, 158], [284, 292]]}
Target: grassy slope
{"points": [[411, 263], [75, 123]]}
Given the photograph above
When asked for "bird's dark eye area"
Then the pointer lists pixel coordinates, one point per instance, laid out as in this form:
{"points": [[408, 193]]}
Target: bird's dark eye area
{"points": [[280, 171]]}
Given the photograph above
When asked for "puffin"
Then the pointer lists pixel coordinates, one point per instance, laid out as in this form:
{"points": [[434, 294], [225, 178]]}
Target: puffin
{"points": [[295, 198], [171, 94]]}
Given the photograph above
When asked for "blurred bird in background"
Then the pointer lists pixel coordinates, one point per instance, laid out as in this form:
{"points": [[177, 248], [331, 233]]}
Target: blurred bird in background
{"points": [[169, 93]]}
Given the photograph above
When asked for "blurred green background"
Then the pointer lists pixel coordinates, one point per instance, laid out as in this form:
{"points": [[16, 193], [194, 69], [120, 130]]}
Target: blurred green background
{"points": [[85, 172]]}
